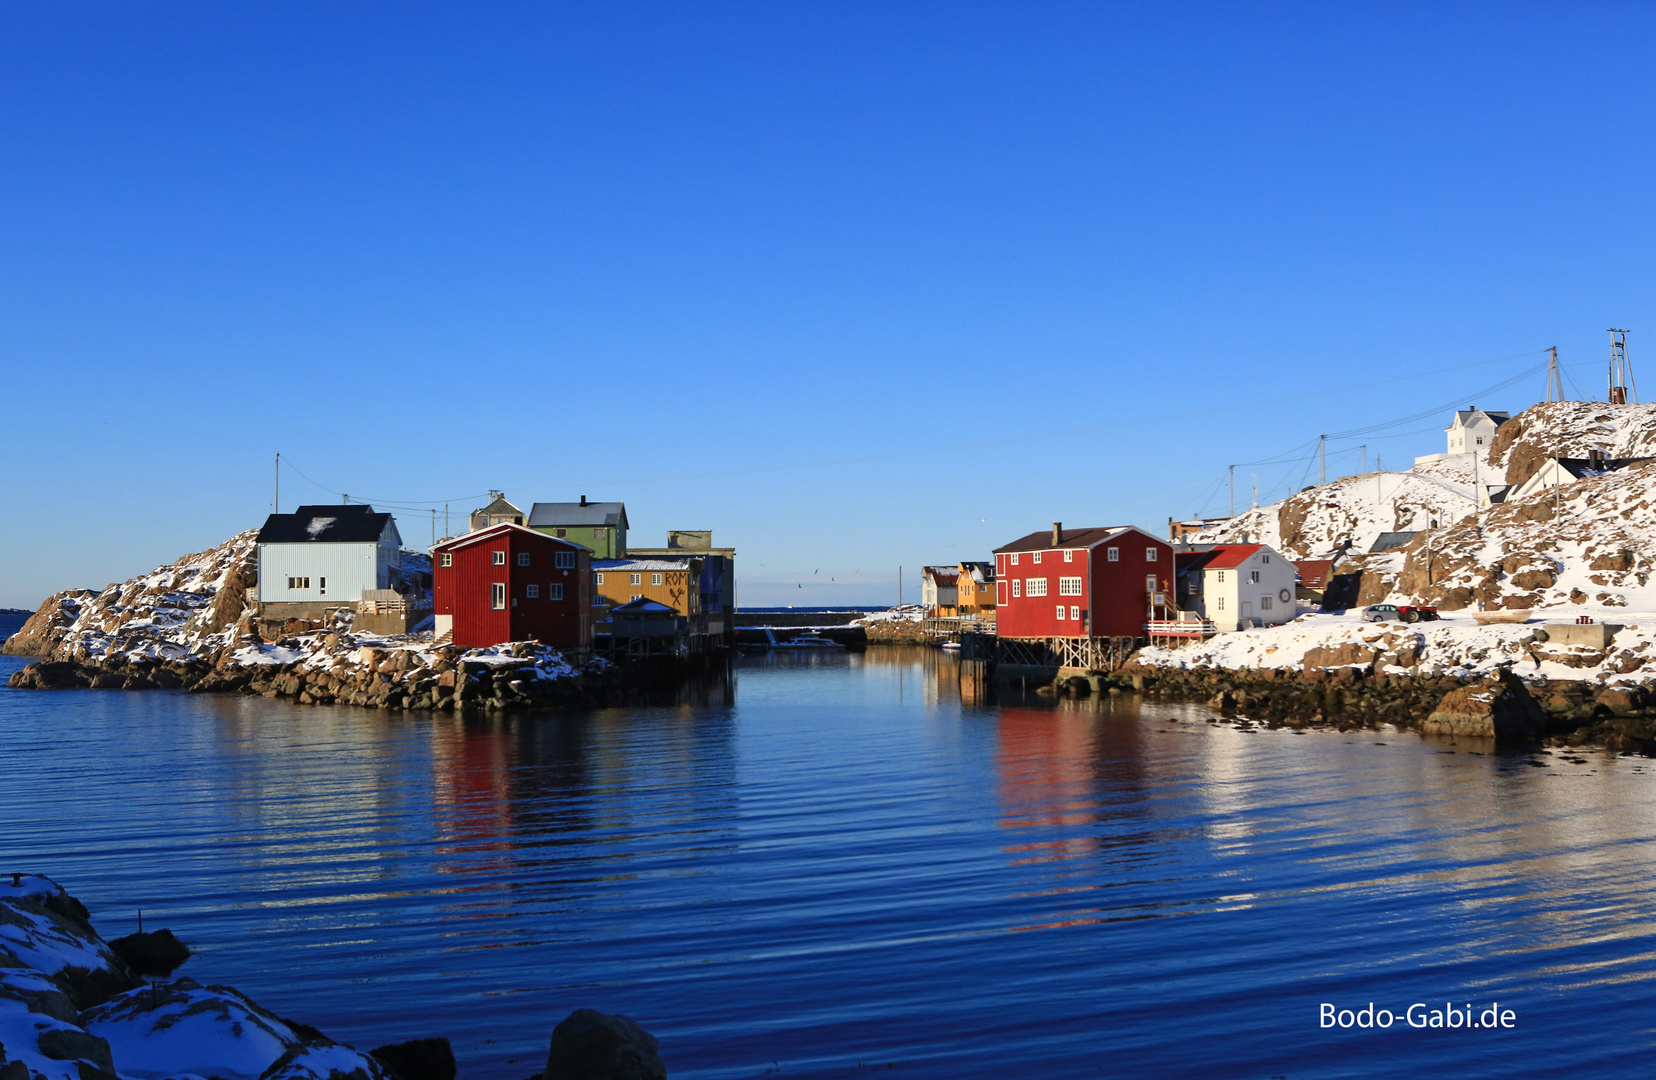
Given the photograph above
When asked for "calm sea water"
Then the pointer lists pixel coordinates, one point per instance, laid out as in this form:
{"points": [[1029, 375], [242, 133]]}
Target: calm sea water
{"points": [[835, 865]]}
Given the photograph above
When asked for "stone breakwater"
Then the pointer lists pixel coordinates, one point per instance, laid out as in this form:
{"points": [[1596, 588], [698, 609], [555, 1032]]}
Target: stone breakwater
{"points": [[1497, 704], [347, 669], [73, 1008]]}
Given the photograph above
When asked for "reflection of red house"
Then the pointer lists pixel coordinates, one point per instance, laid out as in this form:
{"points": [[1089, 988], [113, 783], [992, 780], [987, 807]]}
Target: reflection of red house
{"points": [[1082, 583], [510, 583]]}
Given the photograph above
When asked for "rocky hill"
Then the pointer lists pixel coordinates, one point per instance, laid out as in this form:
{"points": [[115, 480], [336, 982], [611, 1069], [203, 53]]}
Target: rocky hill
{"points": [[173, 612], [1570, 429]]}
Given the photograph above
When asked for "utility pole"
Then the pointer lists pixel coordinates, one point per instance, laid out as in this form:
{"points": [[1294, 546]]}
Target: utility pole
{"points": [[276, 506], [1555, 379], [433, 526], [445, 521], [1364, 449], [345, 500], [1255, 490], [1322, 460], [1622, 391], [1233, 489], [899, 586]]}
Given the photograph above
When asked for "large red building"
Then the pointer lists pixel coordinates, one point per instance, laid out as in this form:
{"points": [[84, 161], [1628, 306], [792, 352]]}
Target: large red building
{"points": [[510, 583], [1082, 583]]}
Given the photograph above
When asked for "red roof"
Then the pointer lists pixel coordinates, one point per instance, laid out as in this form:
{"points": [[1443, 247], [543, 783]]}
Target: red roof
{"points": [[1314, 573], [1226, 556]]}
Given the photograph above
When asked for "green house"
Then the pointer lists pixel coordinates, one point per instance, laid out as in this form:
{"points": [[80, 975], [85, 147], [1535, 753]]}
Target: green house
{"points": [[600, 527]]}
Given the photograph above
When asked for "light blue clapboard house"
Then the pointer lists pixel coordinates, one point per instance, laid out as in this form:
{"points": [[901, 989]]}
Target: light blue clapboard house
{"points": [[324, 557]]}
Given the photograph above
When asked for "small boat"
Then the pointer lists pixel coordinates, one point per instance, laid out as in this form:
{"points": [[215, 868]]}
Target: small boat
{"points": [[808, 641], [1515, 616], [952, 646]]}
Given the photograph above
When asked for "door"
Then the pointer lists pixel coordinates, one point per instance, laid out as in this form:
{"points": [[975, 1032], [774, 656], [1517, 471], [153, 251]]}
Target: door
{"points": [[1247, 611]]}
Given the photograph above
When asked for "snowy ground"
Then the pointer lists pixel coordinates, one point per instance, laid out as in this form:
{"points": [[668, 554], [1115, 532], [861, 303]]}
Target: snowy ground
{"points": [[1454, 645]]}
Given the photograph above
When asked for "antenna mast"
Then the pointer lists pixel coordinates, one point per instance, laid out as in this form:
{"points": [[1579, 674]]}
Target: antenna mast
{"points": [[1322, 460], [1622, 391], [1555, 379]]}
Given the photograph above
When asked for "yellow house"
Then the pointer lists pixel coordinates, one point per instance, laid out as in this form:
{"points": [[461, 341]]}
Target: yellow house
{"points": [[669, 581], [975, 591]]}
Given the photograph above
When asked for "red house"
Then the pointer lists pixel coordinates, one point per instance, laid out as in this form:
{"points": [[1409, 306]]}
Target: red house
{"points": [[1082, 583], [511, 583]]}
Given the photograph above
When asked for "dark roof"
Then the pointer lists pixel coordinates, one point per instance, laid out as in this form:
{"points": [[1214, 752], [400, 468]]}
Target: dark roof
{"points": [[943, 575], [982, 572], [356, 523], [642, 606], [498, 508], [1069, 538], [1192, 559], [1391, 541], [567, 514]]}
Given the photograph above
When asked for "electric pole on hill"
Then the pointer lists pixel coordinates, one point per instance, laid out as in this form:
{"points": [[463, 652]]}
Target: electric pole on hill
{"points": [[1622, 391], [276, 506], [1233, 489], [1555, 379], [1322, 460]]}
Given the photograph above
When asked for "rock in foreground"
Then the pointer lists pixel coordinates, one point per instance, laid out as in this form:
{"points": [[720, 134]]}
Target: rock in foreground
{"points": [[590, 1045]]}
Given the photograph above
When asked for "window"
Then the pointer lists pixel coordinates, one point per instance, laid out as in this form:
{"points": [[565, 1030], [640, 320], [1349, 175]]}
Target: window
{"points": [[298, 582], [1264, 603], [1069, 586], [1480, 440], [635, 596], [598, 579], [499, 558], [497, 595], [445, 559], [1017, 586], [1112, 554], [561, 533], [1264, 558], [564, 560], [1075, 614], [597, 534], [1221, 577], [1060, 612], [1195, 585], [1035, 557], [635, 579], [655, 579], [1035, 586], [1149, 554], [1069, 555], [1014, 558], [1221, 603], [1253, 577], [523, 558], [322, 583], [554, 591], [532, 591]]}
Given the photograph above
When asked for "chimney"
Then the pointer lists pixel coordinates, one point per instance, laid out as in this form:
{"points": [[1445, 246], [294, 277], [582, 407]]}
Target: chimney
{"points": [[1595, 458], [1057, 533], [583, 500]]}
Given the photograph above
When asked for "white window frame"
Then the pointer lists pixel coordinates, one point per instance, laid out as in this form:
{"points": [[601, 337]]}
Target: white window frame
{"points": [[635, 579], [655, 579], [1060, 612], [1221, 603], [1069, 554], [1017, 586], [1035, 557], [498, 558], [598, 578], [1035, 586], [1014, 558], [1253, 577], [1112, 554], [1150, 553], [1265, 603], [446, 559], [1075, 613], [497, 596], [1069, 586]]}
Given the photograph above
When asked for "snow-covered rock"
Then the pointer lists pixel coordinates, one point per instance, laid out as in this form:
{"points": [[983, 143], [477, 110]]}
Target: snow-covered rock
{"points": [[37, 936], [1571, 429], [326, 1061], [184, 1027]]}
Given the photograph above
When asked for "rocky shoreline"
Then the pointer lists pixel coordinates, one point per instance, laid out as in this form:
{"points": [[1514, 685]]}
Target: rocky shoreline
{"points": [[75, 1007], [1498, 705]]}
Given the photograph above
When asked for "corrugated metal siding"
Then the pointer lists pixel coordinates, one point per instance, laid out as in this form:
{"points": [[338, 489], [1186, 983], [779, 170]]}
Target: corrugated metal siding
{"points": [[348, 568]]}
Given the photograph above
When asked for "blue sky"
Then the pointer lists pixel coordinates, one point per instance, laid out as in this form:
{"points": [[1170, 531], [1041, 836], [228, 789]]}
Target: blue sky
{"points": [[855, 286]]}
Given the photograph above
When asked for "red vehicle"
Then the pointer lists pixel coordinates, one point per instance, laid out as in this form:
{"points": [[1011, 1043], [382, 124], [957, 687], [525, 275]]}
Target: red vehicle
{"points": [[1400, 612]]}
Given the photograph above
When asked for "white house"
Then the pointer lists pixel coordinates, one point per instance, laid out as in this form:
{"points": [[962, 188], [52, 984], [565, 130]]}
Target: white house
{"points": [[322, 557], [940, 589], [1237, 585], [1472, 431]]}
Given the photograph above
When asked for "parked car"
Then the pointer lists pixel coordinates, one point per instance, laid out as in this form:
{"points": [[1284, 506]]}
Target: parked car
{"points": [[1399, 612]]}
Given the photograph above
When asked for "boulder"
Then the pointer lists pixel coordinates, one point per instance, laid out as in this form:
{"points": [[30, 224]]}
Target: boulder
{"points": [[184, 1027], [1498, 707], [590, 1045], [1343, 655], [62, 948], [325, 1060], [155, 953], [419, 1059]]}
